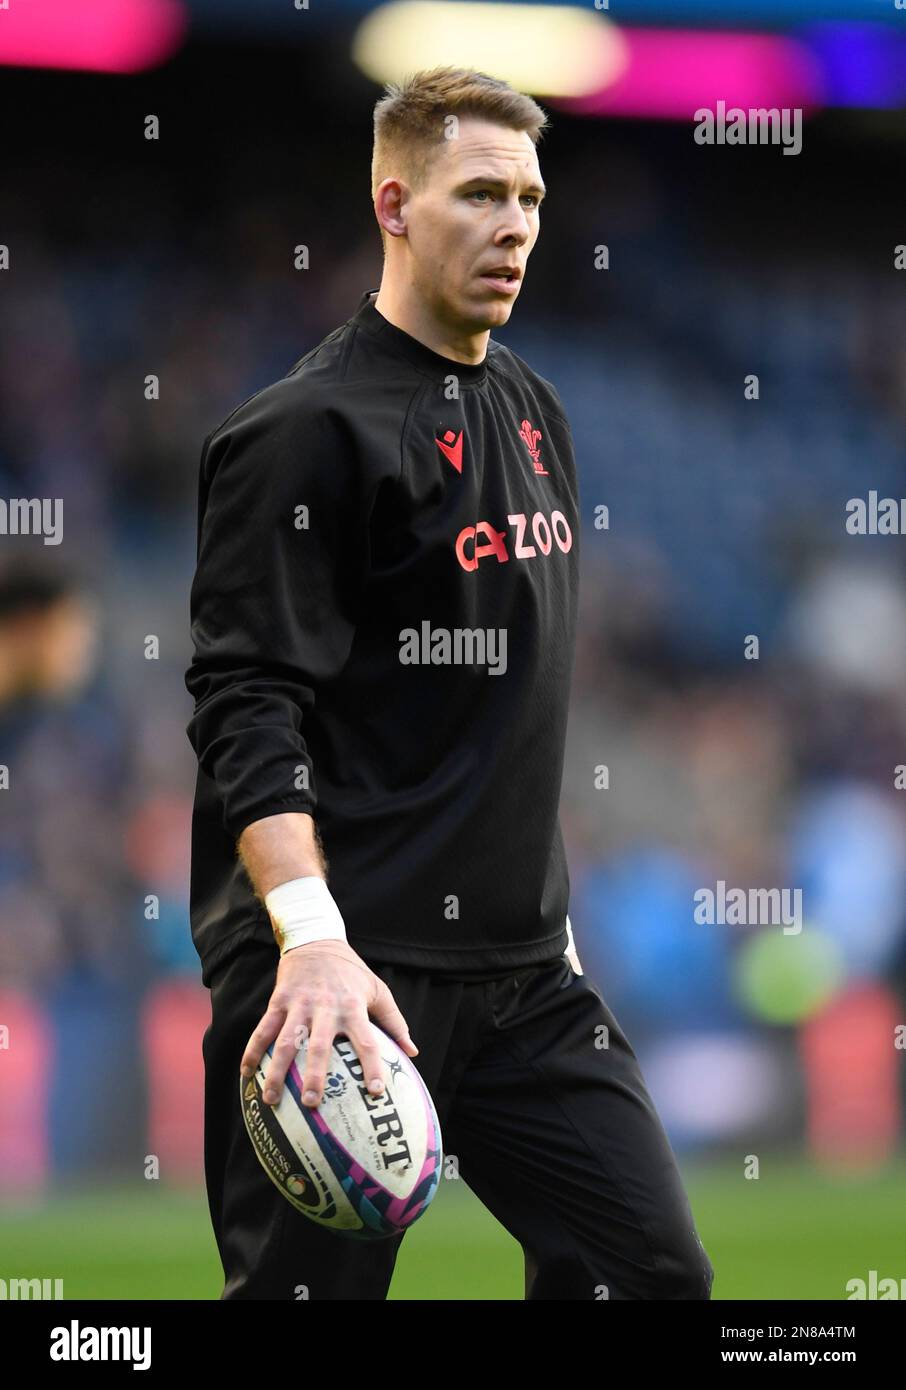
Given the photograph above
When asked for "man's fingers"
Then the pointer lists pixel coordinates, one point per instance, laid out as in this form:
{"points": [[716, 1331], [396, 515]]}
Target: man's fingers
{"points": [[261, 1039], [323, 1031], [292, 1035], [368, 1050], [318, 1015], [388, 1017]]}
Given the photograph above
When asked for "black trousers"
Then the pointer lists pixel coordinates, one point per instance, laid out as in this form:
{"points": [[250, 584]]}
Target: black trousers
{"points": [[543, 1108]]}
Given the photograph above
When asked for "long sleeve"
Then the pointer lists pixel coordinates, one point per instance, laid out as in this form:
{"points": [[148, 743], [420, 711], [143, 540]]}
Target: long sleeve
{"points": [[273, 603], [428, 776]]}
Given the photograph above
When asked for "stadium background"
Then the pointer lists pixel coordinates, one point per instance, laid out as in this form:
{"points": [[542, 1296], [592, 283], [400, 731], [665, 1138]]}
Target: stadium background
{"points": [[174, 257]]}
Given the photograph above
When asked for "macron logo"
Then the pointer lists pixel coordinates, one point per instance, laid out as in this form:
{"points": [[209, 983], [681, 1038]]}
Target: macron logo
{"points": [[451, 448], [75, 1343]]}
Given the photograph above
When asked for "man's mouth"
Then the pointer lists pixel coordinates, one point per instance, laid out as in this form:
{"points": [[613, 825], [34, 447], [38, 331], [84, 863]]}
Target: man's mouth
{"points": [[502, 278]]}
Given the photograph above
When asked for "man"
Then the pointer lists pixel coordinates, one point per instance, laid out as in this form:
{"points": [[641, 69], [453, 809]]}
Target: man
{"points": [[384, 619]]}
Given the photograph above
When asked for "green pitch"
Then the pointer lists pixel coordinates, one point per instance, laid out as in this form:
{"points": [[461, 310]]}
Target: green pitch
{"points": [[794, 1233]]}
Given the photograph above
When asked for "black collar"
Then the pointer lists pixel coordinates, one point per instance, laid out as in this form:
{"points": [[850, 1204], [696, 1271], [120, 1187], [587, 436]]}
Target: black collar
{"points": [[432, 363]]}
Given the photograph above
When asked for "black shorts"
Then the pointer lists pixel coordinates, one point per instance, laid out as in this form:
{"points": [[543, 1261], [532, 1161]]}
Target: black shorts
{"points": [[547, 1116]]}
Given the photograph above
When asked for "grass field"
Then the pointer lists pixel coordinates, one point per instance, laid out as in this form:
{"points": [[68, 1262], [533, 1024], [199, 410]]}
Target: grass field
{"points": [[792, 1234]]}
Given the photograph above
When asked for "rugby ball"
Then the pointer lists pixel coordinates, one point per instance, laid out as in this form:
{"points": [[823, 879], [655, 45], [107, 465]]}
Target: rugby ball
{"points": [[360, 1165]]}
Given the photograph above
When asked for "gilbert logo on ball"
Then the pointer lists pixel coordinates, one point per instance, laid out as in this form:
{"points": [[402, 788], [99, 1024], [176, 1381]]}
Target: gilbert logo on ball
{"points": [[357, 1164]]}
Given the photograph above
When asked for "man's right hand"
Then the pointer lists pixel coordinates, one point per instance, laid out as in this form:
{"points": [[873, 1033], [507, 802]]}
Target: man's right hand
{"points": [[322, 989]]}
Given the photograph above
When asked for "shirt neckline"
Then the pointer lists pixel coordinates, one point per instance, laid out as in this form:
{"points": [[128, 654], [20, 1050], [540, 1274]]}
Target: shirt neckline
{"points": [[433, 363]]}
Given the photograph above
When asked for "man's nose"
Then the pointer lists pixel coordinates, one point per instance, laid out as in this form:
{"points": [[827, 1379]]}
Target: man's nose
{"points": [[516, 223]]}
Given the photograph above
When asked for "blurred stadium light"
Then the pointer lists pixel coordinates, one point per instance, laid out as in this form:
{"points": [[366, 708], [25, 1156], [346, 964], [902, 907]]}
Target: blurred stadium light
{"points": [[547, 49], [593, 66], [863, 64], [121, 36], [276, 15], [765, 53], [672, 72]]}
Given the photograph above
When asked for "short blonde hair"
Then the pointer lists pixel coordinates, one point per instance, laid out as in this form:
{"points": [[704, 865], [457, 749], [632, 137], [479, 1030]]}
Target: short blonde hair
{"points": [[409, 119]]}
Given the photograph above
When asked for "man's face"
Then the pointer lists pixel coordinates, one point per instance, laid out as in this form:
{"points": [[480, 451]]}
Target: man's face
{"points": [[479, 210]]}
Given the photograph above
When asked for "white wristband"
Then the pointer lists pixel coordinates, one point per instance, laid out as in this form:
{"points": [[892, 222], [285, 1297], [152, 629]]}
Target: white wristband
{"points": [[304, 910]]}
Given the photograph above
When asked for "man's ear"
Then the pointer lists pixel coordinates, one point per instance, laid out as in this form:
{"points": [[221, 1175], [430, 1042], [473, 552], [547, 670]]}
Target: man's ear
{"points": [[391, 198]]}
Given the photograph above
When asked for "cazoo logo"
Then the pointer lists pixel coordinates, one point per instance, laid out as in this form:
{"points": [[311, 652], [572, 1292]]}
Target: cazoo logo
{"points": [[470, 551]]}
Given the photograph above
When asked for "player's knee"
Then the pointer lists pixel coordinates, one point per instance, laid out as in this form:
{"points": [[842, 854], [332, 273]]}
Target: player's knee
{"points": [[687, 1272], [558, 1274]]}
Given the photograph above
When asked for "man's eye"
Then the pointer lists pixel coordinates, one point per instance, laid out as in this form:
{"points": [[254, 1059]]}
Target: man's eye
{"points": [[531, 198]]}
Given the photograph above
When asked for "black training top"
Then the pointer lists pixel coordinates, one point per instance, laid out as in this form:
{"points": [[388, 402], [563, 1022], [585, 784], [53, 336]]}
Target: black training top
{"points": [[383, 617]]}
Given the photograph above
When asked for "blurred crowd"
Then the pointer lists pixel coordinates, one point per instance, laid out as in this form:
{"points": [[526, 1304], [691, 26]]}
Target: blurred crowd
{"points": [[694, 754]]}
